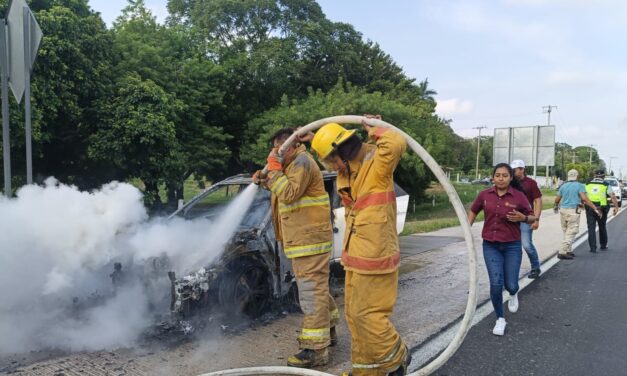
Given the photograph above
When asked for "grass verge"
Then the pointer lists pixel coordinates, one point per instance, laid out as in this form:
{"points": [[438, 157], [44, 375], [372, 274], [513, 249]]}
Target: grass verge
{"points": [[438, 212]]}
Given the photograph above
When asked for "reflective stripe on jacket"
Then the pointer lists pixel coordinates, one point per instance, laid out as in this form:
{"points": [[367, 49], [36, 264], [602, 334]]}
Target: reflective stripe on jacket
{"points": [[597, 192], [301, 212], [371, 243]]}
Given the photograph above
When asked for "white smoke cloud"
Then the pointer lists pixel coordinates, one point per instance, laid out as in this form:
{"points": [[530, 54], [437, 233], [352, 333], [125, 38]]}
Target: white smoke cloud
{"points": [[59, 243]]}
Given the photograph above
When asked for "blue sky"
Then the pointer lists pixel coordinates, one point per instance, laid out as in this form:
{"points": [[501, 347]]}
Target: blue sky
{"points": [[496, 63]]}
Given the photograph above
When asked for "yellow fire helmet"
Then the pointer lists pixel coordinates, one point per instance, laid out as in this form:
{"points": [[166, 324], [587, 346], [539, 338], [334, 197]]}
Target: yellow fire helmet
{"points": [[329, 137]]}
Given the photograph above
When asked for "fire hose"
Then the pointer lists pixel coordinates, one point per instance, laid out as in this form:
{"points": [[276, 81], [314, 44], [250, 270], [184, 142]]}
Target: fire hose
{"points": [[461, 214]]}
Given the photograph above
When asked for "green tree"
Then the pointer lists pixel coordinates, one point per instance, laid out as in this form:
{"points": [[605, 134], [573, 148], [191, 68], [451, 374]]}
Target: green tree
{"points": [[275, 48], [584, 169], [416, 120], [168, 56], [72, 77], [139, 137]]}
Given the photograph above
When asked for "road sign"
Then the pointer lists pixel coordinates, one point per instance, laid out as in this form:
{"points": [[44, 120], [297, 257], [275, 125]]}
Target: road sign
{"points": [[18, 64], [534, 145]]}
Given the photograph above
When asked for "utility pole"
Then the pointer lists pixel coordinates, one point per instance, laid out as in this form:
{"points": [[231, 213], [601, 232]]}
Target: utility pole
{"points": [[563, 175], [547, 110], [478, 143], [590, 148], [610, 171]]}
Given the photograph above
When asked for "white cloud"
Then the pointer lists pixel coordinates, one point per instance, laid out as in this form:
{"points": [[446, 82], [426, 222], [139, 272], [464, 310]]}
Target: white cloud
{"points": [[454, 106], [500, 24], [479, 18], [580, 78], [526, 2], [567, 3]]}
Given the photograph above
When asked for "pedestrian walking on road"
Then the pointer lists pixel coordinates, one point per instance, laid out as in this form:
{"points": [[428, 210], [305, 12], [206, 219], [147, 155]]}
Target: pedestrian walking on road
{"points": [[598, 192], [301, 215], [534, 195], [505, 207], [371, 246], [568, 201]]}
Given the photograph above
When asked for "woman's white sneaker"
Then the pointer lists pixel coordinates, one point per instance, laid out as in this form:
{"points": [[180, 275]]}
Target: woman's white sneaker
{"points": [[512, 304], [499, 327]]}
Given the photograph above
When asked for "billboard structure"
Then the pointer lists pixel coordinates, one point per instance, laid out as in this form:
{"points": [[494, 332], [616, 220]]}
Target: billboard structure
{"points": [[534, 145]]}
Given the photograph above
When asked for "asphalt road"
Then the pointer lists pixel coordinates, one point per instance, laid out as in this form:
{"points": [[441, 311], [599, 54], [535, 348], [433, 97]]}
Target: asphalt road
{"points": [[571, 321], [419, 243]]}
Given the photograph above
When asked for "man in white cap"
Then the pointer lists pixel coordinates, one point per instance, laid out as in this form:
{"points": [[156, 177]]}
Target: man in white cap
{"points": [[570, 195], [534, 196]]}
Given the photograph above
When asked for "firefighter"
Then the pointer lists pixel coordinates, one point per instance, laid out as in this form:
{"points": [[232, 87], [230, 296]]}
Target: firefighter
{"points": [[301, 214], [371, 253]]}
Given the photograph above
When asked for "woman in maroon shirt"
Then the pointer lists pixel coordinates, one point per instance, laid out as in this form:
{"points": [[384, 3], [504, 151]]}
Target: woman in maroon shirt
{"points": [[504, 206]]}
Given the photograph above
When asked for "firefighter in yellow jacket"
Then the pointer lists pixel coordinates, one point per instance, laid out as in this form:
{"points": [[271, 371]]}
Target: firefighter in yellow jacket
{"points": [[301, 215], [371, 253]]}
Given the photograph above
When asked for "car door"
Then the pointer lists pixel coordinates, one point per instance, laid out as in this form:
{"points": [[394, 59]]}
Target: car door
{"points": [[339, 228], [402, 202]]}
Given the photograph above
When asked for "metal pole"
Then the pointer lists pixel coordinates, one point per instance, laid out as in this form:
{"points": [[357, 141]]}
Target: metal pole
{"points": [[562, 174], [536, 137], [27, 111], [610, 171], [590, 149], [478, 150], [6, 145]]}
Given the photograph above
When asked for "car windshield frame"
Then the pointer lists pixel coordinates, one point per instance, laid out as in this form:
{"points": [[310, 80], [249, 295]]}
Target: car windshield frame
{"points": [[256, 217], [611, 182]]}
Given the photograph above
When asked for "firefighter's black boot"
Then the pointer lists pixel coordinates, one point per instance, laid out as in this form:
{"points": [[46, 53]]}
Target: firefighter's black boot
{"points": [[403, 369], [333, 336], [308, 358]]}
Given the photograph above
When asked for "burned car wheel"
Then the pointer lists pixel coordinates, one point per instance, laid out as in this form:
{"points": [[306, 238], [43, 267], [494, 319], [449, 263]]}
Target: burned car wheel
{"points": [[245, 288]]}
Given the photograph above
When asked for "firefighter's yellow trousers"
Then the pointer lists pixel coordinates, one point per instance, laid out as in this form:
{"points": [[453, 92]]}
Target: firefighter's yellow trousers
{"points": [[377, 348], [316, 302]]}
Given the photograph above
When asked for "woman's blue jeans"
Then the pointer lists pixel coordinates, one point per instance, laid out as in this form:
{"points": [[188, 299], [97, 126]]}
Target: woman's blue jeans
{"points": [[503, 263], [526, 236]]}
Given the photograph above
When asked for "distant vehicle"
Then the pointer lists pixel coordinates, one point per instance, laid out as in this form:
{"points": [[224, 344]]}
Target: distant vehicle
{"points": [[614, 185], [253, 268], [484, 181]]}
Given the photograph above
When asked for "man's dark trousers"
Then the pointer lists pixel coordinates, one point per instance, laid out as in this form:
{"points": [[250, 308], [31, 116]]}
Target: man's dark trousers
{"points": [[593, 220]]}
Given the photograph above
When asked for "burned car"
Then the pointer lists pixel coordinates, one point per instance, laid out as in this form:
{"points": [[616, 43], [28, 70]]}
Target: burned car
{"points": [[253, 269]]}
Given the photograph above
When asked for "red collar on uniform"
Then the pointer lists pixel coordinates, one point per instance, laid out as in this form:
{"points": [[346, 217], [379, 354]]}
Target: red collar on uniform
{"points": [[492, 189]]}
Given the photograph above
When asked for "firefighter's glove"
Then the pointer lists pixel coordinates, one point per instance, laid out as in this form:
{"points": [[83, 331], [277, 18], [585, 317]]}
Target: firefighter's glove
{"points": [[259, 177], [274, 161]]}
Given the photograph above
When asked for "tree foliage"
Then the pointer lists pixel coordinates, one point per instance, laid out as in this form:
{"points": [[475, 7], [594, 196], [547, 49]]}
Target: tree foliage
{"points": [[72, 78], [139, 137], [200, 95], [275, 48], [417, 120], [167, 59]]}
